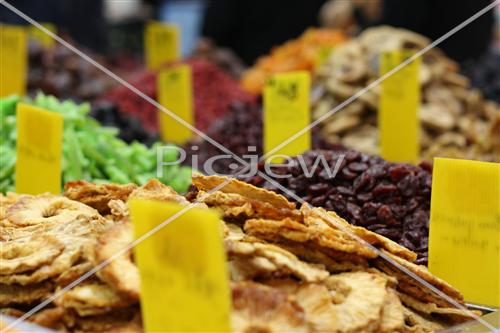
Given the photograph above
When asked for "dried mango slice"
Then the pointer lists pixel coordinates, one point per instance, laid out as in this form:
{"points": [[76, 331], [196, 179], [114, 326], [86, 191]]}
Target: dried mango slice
{"points": [[46, 209], [259, 308], [410, 286], [28, 254], [97, 195], [285, 262], [121, 273]]}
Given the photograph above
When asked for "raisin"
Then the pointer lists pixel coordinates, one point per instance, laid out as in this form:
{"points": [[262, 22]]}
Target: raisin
{"points": [[357, 167]]}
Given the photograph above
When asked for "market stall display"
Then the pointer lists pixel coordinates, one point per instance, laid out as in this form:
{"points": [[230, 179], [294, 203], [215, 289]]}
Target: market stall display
{"points": [[391, 199], [213, 92], [90, 151], [291, 269], [456, 121], [302, 53]]}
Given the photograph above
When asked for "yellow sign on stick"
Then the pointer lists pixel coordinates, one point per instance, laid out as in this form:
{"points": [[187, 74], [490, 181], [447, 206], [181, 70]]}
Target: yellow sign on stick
{"points": [[175, 93], [13, 60], [38, 149], [398, 120], [184, 275], [464, 240], [161, 44], [287, 111], [41, 37]]}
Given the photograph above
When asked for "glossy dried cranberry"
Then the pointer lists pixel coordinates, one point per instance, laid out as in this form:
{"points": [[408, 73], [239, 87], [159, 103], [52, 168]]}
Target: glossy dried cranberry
{"points": [[384, 190], [357, 167], [384, 213], [318, 201], [354, 210], [319, 188], [345, 190], [399, 171]]}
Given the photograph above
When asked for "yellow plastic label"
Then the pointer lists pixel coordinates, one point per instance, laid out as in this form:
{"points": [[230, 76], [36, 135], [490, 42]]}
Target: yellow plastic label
{"points": [[41, 37], [184, 274], [38, 149], [161, 44], [464, 240], [175, 93], [286, 112], [398, 120], [13, 60]]}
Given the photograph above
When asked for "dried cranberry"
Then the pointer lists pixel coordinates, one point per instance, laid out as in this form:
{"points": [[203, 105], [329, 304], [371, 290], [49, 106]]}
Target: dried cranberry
{"points": [[384, 190], [384, 213], [318, 188], [357, 167], [399, 171], [354, 210], [318, 201]]}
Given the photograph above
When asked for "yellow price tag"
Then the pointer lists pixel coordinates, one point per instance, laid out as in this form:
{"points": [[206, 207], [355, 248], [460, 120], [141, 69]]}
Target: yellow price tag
{"points": [[13, 60], [184, 274], [286, 112], [175, 93], [41, 37], [398, 120], [464, 240], [38, 149], [161, 44]]}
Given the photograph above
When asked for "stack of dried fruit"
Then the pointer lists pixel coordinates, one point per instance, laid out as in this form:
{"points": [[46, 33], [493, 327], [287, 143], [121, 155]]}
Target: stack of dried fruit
{"points": [[302, 53], [456, 121], [60, 72], [238, 130], [89, 151], [391, 199], [213, 92], [300, 270]]}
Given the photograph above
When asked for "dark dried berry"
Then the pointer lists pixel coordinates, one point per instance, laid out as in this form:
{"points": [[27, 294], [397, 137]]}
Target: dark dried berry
{"points": [[357, 167], [348, 174], [319, 188], [364, 197], [399, 171], [384, 190], [354, 210], [384, 213], [318, 201], [345, 190]]}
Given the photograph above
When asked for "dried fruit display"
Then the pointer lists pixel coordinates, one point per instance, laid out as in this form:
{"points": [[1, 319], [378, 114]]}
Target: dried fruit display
{"points": [[90, 151], [213, 92], [60, 72], [298, 54], [456, 121], [300, 270], [391, 199], [238, 130]]}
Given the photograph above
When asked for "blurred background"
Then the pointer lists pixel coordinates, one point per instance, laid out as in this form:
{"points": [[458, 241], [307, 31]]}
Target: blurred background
{"points": [[252, 28]]}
